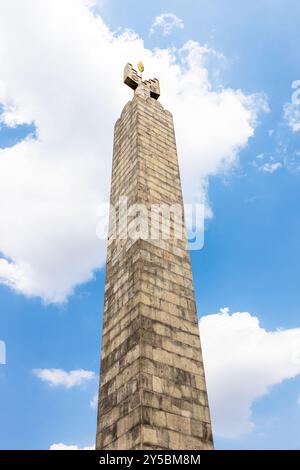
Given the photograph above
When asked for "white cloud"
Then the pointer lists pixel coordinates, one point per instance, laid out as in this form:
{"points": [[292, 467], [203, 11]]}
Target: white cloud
{"points": [[61, 69], [242, 362], [166, 22], [62, 378], [271, 167], [94, 401], [61, 446]]}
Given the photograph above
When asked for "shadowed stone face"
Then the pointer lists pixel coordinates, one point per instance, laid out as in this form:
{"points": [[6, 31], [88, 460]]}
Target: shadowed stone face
{"points": [[152, 386]]}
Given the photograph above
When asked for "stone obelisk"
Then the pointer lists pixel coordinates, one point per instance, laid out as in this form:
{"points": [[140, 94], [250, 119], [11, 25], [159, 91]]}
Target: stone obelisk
{"points": [[152, 383]]}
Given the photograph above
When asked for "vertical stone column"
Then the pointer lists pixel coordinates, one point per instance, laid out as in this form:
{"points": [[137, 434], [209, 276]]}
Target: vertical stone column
{"points": [[152, 384]]}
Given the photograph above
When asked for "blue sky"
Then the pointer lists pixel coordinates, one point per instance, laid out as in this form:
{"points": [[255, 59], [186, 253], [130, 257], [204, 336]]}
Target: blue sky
{"points": [[250, 260]]}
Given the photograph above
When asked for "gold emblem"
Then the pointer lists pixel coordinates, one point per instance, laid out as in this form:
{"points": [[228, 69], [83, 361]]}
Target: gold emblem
{"points": [[141, 67]]}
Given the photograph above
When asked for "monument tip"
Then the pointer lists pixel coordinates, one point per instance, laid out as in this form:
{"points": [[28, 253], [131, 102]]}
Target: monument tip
{"points": [[133, 80]]}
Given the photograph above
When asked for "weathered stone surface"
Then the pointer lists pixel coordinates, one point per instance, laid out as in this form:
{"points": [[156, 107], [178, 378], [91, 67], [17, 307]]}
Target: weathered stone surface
{"points": [[152, 384]]}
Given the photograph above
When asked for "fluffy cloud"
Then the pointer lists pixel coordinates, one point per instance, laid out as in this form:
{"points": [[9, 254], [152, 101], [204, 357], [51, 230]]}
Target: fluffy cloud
{"points": [[61, 70], [166, 22], [242, 362], [61, 446], [62, 378]]}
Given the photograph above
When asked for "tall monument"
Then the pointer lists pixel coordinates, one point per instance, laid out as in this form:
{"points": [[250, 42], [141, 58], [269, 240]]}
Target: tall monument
{"points": [[152, 384]]}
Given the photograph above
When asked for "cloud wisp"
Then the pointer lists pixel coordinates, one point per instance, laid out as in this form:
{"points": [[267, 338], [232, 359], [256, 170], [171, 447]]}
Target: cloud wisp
{"points": [[166, 22], [64, 379], [94, 401], [271, 167]]}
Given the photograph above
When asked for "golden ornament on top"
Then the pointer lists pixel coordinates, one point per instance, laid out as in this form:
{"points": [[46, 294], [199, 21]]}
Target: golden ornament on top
{"points": [[141, 67]]}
